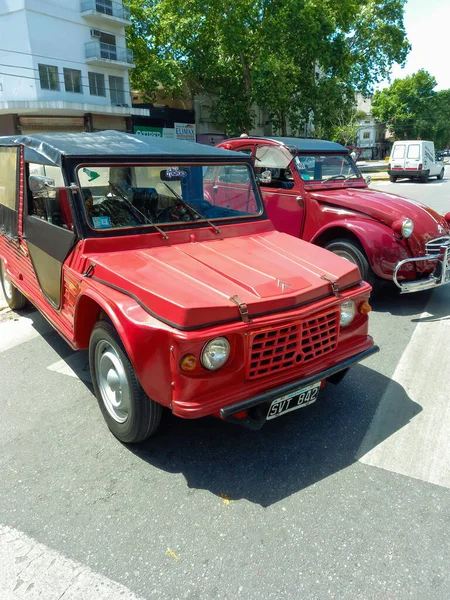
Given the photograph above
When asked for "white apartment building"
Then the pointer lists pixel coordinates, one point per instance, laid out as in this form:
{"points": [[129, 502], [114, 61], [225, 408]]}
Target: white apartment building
{"points": [[371, 136], [64, 66]]}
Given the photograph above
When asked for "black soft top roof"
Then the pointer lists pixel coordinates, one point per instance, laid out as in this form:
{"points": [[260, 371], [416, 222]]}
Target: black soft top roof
{"points": [[50, 148], [305, 144]]}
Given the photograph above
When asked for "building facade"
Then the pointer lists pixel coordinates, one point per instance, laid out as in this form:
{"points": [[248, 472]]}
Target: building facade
{"points": [[64, 66], [371, 136]]}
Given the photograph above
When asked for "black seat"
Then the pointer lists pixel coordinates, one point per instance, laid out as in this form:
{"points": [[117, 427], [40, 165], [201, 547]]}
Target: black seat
{"points": [[146, 201], [286, 185]]}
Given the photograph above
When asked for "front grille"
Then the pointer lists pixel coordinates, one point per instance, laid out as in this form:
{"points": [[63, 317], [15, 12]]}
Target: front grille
{"points": [[277, 349], [434, 246]]}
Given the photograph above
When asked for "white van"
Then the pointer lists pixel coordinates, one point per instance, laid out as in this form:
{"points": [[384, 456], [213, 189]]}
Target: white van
{"points": [[414, 159]]}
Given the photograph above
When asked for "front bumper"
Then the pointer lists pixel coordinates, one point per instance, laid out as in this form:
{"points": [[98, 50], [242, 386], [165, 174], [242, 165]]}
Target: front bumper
{"points": [[408, 173], [440, 275], [266, 397]]}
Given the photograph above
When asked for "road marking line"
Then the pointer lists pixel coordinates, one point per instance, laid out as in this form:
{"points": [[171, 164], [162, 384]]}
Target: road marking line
{"points": [[18, 331], [75, 365], [419, 447], [31, 571]]}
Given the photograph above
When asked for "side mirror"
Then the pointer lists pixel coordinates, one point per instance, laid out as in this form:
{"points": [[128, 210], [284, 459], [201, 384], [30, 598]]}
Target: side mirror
{"points": [[265, 177], [39, 183], [368, 179]]}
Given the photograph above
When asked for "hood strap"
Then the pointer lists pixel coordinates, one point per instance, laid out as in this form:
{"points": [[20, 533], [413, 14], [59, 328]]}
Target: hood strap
{"points": [[334, 284], [89, 271], [243, 308]]}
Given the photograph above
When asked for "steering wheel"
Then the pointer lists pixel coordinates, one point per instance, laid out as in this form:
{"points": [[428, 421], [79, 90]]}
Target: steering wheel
{"points": [[201, 205], [173, 214]]}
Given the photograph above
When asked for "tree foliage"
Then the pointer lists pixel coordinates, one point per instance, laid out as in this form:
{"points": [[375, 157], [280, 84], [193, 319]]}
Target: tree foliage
{"points": [[412, 109], [346, 126], [267, 52]]}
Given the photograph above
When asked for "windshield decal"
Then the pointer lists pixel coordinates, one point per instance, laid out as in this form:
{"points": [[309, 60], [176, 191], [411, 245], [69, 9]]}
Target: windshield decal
{"points": [[101, 222]]}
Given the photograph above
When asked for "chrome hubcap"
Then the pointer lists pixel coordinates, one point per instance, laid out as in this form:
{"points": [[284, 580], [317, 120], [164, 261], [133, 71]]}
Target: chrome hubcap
{"points": [[346, 255], [112, 381], [7, 285]]}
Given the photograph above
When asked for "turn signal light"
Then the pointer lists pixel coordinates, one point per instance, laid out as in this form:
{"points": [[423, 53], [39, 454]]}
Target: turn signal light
{"points": [[365, 308], [188, 362]]}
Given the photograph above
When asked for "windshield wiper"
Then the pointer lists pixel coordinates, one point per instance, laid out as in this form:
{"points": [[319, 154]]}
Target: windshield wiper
{"points": [[190, 208], [124, 197], [334, 177]]}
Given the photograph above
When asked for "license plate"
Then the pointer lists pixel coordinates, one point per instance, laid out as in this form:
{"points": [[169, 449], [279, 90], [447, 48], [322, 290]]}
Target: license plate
{"points": [[293, 401]]}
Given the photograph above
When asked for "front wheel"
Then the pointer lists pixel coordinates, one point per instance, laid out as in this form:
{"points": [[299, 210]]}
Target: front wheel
{"points": [[130, 414], [353, 253], [441, 174], [15, 299]]}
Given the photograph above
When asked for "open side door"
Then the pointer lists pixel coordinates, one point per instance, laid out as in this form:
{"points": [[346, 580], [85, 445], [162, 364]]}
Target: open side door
{"points": [[48, 231]]}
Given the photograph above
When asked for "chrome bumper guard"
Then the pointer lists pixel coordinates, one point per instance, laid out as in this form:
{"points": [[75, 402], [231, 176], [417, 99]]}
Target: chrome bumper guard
{"points": [[440, 276]]}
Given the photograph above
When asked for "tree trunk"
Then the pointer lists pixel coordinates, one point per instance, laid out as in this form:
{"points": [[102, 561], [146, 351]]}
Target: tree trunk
{"points": [[283, 124]]}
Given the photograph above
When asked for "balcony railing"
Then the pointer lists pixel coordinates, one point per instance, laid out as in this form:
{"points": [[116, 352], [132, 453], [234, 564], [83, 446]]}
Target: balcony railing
{"points": [[101, 50], [106, 7]]}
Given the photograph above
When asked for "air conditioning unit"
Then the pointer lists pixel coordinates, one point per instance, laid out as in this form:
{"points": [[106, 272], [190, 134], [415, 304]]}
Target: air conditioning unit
{"points": [[96, 33]]}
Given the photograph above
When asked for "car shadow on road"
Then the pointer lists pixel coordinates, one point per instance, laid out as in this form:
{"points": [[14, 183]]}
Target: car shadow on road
{"points": [[289, 453], [416, 181], [436, 302]]}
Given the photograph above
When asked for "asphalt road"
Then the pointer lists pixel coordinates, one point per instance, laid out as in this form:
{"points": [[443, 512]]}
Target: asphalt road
{"points": [[346, 499]]}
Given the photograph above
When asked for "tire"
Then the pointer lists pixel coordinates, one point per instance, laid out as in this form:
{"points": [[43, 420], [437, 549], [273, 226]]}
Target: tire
{"points": [[15, 299], [352, 252], [424, 179], [135, 417], [392, 179], [441, 174]]}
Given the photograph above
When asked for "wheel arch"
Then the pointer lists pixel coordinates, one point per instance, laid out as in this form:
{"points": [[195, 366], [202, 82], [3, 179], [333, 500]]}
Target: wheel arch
{"points": [[90, 309], [338, 233], [374, 238]]}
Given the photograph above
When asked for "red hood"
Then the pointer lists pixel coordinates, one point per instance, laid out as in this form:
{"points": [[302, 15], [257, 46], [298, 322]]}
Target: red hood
{"points": [[386, 208], [191, 284]]}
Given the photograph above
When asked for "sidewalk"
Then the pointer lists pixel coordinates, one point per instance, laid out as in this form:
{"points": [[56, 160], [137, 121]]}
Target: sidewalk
{"points": [[3, 303]]}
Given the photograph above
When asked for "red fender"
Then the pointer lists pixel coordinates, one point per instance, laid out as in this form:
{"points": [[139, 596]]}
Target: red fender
{"points": [[382, 249]]}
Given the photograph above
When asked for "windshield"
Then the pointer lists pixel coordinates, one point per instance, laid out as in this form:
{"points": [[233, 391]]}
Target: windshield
{"points": [[326, 167], [140, 196]]}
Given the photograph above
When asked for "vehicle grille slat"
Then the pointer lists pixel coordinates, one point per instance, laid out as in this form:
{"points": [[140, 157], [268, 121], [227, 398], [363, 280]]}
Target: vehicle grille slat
{"points": [[434, 246], [276, 349]]}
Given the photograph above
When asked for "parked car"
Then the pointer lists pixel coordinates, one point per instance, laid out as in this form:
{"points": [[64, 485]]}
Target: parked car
{"points": [[415, 159], [200, 308], [330, 204]]}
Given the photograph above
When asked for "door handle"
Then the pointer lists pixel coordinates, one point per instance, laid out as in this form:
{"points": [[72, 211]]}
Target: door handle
{"points": [[215, 187], [299, 199]]}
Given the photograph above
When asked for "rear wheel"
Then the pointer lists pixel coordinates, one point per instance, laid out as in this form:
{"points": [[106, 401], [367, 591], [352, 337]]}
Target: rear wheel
{"points": [[392, 179], [424, 179], [352, 252], [441, 174], [15, 299], [130, 414]]}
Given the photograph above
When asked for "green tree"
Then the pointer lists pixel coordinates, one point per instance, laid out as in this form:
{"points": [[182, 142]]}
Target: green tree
{"points": [[409, 107], [266, 52], [346, 126]]}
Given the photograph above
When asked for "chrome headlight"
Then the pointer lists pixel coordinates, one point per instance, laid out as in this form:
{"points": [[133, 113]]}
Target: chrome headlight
{"points": [[407, 228], [215, 353], [348, 312]]}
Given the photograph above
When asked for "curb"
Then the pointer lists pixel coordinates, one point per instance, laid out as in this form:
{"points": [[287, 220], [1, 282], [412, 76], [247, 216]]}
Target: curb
{"points": [[378, 176]]}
